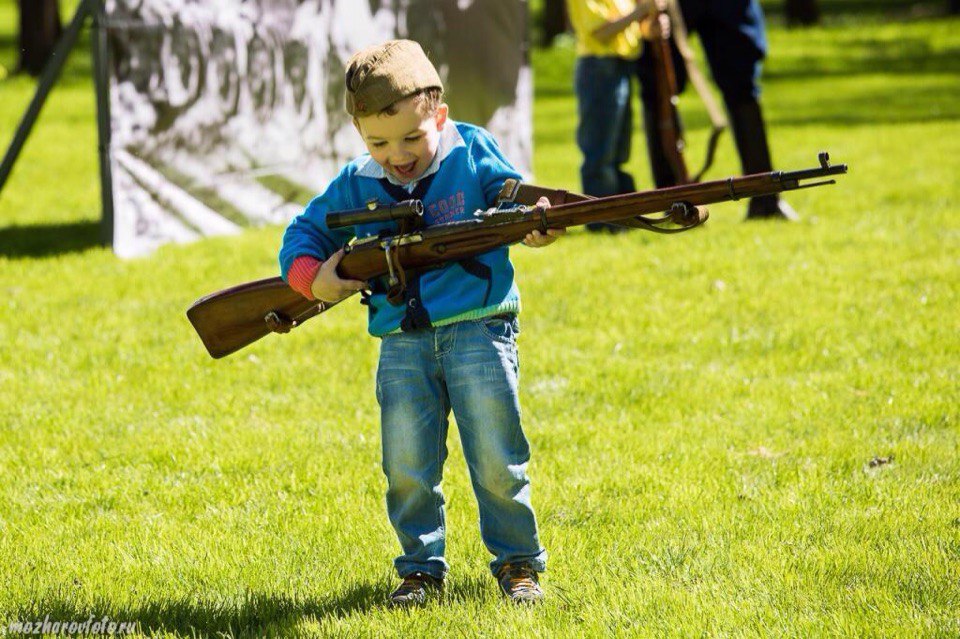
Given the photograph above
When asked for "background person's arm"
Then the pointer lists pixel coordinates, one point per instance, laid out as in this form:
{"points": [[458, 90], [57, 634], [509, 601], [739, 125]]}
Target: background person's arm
{"points": [[605, 32]]}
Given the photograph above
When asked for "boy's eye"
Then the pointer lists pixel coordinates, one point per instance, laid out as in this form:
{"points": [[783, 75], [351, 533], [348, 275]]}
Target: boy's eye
{"points": [[378, 145], [413, 138]]}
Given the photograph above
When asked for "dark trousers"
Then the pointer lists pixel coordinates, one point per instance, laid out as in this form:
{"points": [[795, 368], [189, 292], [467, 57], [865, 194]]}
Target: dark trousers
{"points": [[734, 41]]}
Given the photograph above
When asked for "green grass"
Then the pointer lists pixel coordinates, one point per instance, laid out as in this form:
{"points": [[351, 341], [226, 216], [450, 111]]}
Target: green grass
{"points": [[703, 408]]}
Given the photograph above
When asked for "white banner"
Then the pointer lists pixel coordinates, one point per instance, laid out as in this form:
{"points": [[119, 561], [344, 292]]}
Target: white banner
{"points": [[229, 113]]}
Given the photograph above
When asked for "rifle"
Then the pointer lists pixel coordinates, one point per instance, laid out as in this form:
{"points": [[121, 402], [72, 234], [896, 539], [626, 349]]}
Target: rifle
{"points": [[228, 320], [669, 124]]}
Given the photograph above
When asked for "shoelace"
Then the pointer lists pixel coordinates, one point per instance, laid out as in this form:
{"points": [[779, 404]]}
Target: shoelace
{"points": [[411, 583], [521, 580]]}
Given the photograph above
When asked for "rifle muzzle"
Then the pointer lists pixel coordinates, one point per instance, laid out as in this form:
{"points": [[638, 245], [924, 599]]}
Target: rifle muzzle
{"points": [[825, 169]]}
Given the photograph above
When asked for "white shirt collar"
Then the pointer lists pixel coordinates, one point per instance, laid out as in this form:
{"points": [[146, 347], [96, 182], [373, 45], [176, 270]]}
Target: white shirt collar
{"points": [[450, 139]]}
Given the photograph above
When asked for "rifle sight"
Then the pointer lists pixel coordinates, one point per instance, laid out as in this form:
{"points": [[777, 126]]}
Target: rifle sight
{"points": [[373, 212], [824, 170]]}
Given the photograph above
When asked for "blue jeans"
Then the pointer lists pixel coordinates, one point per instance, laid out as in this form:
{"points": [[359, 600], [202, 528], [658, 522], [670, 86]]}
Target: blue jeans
{"points": [[605, 123], [472, 368]]}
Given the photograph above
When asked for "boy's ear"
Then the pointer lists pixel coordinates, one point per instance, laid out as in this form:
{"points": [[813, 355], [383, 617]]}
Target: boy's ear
{"points": [[441, 116]]}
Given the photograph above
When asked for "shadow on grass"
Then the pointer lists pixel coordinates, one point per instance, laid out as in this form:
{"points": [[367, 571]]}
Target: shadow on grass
{"points": [[44, 240], [850, 56], [910, 56], [903, 81], [79, 66], [249, 615], [875, 9], [872, 107], [906, 56]]}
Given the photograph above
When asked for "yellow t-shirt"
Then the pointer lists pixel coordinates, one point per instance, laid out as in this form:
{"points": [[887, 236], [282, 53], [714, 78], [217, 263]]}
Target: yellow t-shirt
{"points": [[587, 15]]}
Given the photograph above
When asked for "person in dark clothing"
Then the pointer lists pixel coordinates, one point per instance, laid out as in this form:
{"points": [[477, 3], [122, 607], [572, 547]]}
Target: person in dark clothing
{"points": [[734, 40]]}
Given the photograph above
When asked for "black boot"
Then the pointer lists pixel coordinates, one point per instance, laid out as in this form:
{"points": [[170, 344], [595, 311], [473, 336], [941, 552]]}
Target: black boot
{"points": [[750, 137]]}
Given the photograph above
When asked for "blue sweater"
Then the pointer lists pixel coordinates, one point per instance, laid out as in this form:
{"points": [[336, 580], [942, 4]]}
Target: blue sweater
{"points": [[469, 177]]}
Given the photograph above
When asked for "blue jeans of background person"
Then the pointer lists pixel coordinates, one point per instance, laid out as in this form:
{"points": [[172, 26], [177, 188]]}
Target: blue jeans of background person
{"points": [[605, 123], [472, 368]]}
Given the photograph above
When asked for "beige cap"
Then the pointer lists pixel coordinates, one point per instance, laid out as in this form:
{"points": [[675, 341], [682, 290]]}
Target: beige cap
{"points": [[381, 75]]}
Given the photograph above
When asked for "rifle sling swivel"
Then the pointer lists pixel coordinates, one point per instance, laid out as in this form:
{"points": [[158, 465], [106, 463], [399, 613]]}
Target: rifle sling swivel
{"points": [[543, 219], [731, 190]]}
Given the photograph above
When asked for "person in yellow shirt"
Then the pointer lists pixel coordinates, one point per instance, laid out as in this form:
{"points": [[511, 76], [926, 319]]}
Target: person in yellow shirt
{"points": [[608, 45]]}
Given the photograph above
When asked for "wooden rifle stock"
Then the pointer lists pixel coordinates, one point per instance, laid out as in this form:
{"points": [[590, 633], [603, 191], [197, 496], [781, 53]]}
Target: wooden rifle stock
{"points": [[230, 319]]}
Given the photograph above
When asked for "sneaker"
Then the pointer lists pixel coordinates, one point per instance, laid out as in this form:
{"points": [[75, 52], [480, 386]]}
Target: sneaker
{"points": [[520, 583], [415, 589]]}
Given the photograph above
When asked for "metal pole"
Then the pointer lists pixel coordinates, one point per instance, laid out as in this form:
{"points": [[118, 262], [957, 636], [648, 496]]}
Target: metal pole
{"points": [[101, 80], [47, 79]]}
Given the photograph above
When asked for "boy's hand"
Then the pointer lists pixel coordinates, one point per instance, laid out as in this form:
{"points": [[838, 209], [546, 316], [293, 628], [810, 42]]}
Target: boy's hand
{"points": [[536, 239], [328, 287]]}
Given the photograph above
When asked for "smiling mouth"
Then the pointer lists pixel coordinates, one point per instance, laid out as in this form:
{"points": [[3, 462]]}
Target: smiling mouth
{"points": [[405, 170]]}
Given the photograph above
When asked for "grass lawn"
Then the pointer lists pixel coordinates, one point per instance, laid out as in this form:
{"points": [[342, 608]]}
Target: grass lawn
{"points": [[709, 413]]}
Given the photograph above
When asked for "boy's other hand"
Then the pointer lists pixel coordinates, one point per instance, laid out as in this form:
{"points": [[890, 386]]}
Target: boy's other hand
{"points": [[536, 239], [328, 287]]}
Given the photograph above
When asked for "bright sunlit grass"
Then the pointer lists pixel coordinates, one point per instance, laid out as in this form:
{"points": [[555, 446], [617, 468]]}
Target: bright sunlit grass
{"points": [[750, 429]]}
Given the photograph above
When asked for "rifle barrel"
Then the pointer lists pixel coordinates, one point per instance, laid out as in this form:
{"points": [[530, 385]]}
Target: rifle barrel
{"points": [[734, 188], [808, 174]]}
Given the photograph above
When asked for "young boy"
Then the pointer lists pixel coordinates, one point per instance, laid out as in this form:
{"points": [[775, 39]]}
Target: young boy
{"points": [[452, 343]]}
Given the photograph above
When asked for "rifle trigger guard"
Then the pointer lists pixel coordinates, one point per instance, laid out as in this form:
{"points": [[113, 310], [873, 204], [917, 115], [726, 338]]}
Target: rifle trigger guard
{"points": [[392, 279], [278, 322], [397, 279]]}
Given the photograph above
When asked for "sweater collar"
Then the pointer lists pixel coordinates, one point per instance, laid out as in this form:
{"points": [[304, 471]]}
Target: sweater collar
{"points": [[450, 139]]}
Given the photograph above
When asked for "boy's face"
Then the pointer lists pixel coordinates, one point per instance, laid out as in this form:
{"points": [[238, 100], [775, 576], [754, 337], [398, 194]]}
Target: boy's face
{"points": [[404, 143]]}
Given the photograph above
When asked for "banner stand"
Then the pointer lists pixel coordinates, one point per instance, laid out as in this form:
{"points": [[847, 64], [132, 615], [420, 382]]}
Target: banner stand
{"points": [[101, 81], [227, 115], [51, 72]]}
